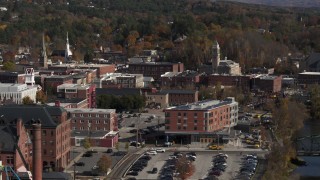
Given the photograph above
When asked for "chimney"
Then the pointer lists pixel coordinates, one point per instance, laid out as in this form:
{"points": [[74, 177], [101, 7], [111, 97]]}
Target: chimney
{"points": [[37, 156], [19, 126], [57, 103]]}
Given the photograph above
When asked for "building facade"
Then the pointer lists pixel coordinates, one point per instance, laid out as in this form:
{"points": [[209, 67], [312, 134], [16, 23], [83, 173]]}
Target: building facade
{"points": [[182, 79], [180, 97], [154, 69], [200, 121], [16, 92], [55, 130], [76, 91], [308, 78], [93, 119], [267, 83]]}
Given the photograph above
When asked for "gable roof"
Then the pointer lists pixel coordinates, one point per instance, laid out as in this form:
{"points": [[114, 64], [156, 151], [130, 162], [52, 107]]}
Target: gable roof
{"points": [[30, 113], [313, 60], [7, 139]]}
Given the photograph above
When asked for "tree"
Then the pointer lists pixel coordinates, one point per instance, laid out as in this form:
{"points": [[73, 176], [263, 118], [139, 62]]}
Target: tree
{"points": [[86, 143], [27, 100], [88, 57], [41, 97], [117, 146], [9, 66], [104, 164], [127, 146], [185, 168]]}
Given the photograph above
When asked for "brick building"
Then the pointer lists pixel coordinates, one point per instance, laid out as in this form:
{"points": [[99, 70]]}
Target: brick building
{"points": [[156, 99], [120, 80], [308, 78], [101, 68], [50, 83], [76, 91], [95, 124], [228, 80], [182, 79], [9, 154], [70, 103], [12, 77], [267, 83], [180, 96], [154, 69], [55, 129], [199, 122]]}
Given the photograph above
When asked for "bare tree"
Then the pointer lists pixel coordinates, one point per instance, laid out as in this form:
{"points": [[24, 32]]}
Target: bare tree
{"points": [[104, 164], [185, 168]]}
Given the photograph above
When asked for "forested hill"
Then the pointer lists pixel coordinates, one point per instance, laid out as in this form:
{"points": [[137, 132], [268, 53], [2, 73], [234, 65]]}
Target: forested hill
{"points": [[282, 3], [253, 35]]}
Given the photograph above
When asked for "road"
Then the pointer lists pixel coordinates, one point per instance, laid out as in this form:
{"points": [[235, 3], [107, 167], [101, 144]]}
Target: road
{"points": [[121, 167]]}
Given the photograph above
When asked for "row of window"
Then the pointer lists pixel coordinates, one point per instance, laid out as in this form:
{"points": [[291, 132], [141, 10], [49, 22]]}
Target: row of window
{"points": [[87, 128], [90, 121], [91, 115]]}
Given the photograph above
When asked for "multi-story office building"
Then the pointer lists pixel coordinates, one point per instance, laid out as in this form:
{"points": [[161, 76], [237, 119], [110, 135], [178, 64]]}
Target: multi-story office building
{"points": [[199, 122]]}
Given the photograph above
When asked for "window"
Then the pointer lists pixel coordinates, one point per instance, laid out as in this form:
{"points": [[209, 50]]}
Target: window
{"points": [[73, 121], [184, 128], [89, 115], [51, 142], [179, 127], [167, 121], [97, 115], [74, 128], [44, 143], [81, 128], [195, 114], [167, 127], [81, 115], [44, 152], [51, 152], [52, 133], [185, 121], [184, 114], [44, 132], [97, 121], [97, 128], [195, 121], [81, 121], [195, 128], [167, 114], [179, 114], [179, 120], [105, 122], [10, 160]]}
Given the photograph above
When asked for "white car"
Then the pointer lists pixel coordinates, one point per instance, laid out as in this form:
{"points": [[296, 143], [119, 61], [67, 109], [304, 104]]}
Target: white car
{"points": [[160, 150], [151, 153]]}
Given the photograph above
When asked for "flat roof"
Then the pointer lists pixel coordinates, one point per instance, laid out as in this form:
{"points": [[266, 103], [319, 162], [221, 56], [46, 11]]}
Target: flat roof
{"points": [[82, 110], [201, 105], [310, 73], [78, 86]]}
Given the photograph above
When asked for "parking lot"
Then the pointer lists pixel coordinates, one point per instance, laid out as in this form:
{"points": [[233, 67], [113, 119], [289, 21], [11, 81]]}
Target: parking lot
{"points": [[203, 164], [90, 162]]}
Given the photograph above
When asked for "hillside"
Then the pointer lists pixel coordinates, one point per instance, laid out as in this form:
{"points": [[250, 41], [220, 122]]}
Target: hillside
{"points": [[283, 3]]}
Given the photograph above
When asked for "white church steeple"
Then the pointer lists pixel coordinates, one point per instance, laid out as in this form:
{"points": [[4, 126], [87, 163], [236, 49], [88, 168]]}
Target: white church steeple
{"points": [[68, 52]]}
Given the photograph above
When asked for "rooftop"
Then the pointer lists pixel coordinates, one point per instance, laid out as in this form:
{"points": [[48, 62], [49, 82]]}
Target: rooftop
{"points": [[73, 86], [310, 73], [93, 134], [177, 91], [82, 110], [202, 105]]}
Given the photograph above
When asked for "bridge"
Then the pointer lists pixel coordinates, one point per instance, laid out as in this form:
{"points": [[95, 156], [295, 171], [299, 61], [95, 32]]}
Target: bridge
{"points": [[308, 145]]}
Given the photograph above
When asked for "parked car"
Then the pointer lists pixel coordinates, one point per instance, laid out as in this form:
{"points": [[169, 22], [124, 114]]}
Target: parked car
{"points": [[160, 150], [109, 151], [87, 154], [79, 164], [167, 144], [151, 153], [154, 170]]}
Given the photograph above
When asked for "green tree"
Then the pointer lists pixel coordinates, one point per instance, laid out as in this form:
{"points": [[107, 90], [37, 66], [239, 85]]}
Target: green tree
{"points": [[104, 164], [86, 143], [9, 66], [27, 100]]}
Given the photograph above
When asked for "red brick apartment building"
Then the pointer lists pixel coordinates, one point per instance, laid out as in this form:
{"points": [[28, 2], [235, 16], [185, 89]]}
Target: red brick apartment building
{"points": [[55, 130], [100, 125], [199, 122], [9, 154], [76, 91], [267, 83], [154, 69]]}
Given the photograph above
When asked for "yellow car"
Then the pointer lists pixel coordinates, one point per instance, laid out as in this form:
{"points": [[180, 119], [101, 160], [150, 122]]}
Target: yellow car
{"points": [[215, 147]]}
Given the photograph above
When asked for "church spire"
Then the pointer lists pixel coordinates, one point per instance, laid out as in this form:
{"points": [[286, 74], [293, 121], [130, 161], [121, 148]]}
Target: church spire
{"points": [[68, 53], [43, 56], [215, 56]]}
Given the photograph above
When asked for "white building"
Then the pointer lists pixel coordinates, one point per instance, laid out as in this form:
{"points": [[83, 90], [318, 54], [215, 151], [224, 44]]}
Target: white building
{"points": [[16, 92]]}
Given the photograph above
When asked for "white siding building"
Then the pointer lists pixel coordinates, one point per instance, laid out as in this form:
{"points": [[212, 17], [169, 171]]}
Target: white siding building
{"points": [[16, 92]]}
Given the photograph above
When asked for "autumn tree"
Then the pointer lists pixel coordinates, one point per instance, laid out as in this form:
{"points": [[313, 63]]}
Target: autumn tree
{"points": [[41, 97], [104, 164], [185, 168], [86, 143], [9, 66], [27, 100]]}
